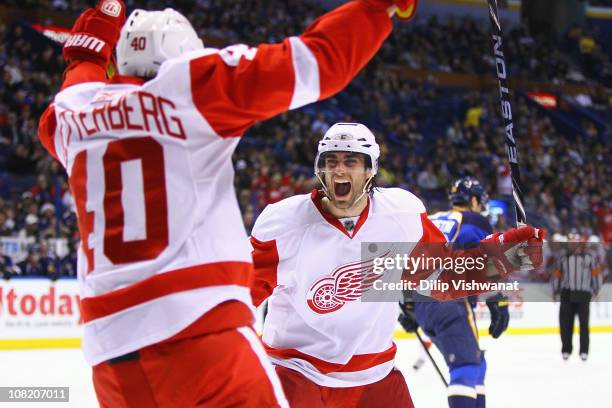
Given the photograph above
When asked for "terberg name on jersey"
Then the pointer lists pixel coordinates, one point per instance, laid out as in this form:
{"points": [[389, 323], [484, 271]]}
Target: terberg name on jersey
{"points": [[116, 111]]}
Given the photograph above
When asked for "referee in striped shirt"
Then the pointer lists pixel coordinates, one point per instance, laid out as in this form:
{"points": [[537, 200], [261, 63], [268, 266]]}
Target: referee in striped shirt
{"points": [[577, 280]]}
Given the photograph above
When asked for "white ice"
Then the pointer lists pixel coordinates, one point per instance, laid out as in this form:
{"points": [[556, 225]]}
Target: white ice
{"points": [[524, 371]]}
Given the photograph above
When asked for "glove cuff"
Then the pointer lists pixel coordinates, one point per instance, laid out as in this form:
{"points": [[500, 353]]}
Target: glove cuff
{"points": [[405, 9], [407, 12]]}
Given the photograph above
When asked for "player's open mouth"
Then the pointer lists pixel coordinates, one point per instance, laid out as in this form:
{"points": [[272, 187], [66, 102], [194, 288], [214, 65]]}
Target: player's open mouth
{"points": [[342, 188]]}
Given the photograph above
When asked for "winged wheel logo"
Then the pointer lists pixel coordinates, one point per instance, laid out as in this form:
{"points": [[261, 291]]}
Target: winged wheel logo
{"points": [[345, 284]]}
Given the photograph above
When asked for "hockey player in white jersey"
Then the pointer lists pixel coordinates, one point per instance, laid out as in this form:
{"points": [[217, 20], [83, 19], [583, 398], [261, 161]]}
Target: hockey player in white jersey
{"points": [[329, 347], [164, 264]]}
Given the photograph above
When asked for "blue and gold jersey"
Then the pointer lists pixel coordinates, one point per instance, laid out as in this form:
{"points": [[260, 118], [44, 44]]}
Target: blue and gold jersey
{"points": [[464, 228]]}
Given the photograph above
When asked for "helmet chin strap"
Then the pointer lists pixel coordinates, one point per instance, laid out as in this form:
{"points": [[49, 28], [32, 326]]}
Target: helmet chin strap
{"points": [[364, 191], [324, 186], [365, 188]]}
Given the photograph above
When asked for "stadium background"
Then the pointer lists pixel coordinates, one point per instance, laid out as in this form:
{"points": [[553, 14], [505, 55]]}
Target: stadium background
{"points": [[430, 96]]}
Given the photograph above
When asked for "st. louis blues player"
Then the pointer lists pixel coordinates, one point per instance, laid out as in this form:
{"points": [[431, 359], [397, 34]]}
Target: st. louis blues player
{"points": [[451, 325]]}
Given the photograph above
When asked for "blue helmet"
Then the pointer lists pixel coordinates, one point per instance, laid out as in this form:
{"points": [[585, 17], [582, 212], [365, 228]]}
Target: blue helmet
{"points": [[464, 188]]}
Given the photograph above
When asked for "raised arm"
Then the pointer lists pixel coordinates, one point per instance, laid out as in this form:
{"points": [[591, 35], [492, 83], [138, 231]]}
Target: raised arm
{"points": [[88, 53], [240, 85]]}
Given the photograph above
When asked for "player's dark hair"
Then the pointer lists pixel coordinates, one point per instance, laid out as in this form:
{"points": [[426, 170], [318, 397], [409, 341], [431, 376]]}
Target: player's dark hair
{"points": [[372, 185]]}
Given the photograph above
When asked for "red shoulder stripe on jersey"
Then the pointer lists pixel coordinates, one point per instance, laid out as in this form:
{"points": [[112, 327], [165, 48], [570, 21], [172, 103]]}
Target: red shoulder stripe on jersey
{"points": [[233, 94], [343, 41], [432, 241], [265, 266], [46, 130], [431, 245], [316, 197], [194, 277], [358, 362], [431, 233]]}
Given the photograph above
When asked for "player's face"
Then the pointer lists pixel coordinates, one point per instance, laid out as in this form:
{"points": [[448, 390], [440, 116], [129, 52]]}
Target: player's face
{"points": [[345, 177], [475, 205]]}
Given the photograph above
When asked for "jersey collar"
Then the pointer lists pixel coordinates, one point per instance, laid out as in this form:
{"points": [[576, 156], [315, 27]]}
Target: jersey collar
{"points": [[317, 196], [126, 79]]}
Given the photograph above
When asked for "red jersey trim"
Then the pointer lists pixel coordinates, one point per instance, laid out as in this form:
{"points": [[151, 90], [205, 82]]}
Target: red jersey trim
{"points": [[317, 196], [126, 79], [46, 130], [358, 362], [195, 277], [224, 316], [431, 233], [265, 265]]}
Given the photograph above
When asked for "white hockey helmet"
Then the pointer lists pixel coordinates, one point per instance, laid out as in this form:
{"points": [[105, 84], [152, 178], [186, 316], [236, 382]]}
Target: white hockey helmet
{"points": [[348, 137], [148, 38]]}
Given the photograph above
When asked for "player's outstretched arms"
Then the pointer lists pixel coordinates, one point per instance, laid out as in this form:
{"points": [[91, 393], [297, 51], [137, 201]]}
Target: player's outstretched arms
{"points": [[240, 85]]}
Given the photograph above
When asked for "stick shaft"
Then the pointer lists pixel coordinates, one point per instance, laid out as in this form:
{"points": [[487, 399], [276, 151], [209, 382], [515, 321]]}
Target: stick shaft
{"points": [[506, 109], [431, 358]]}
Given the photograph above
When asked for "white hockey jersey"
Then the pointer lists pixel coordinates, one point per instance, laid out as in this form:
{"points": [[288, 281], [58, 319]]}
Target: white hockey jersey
{"points": [[150, 169], [317, 322]]}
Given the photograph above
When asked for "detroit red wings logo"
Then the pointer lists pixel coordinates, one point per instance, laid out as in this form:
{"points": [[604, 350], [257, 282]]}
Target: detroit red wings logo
{"points": [[346, 284]]}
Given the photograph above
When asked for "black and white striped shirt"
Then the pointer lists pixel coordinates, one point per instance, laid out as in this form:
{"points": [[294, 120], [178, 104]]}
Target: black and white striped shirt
{"points": [[577, 273]]}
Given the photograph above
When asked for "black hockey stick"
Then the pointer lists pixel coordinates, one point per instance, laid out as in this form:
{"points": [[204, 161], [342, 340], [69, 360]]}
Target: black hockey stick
{"points": [[409, 313], [506, 109], [416, 332]]}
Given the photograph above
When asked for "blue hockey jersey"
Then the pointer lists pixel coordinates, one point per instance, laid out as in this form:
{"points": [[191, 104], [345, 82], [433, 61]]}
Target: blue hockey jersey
{"points": [[464, 228]]}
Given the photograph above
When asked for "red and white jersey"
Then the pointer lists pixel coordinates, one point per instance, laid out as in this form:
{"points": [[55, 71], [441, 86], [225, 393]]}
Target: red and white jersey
{"points": [[162, 239], [306, 261]]}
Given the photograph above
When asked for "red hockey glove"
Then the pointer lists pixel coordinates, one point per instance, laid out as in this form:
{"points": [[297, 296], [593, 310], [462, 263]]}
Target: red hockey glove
{"points": [[404, 9], [95, 33], [514, 249]]}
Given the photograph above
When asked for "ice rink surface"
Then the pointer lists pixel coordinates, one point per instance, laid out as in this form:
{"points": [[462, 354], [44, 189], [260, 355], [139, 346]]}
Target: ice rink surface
{"points": [[524, 371]]}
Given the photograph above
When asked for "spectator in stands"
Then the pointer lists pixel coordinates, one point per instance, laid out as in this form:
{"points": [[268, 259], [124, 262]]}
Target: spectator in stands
{"points": [[427, 179], [30, 229], [48, 260], [20, 161], [320, 125], [6, 230], [7, 270], [41, 191], [31, 265], [68, 264]]}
